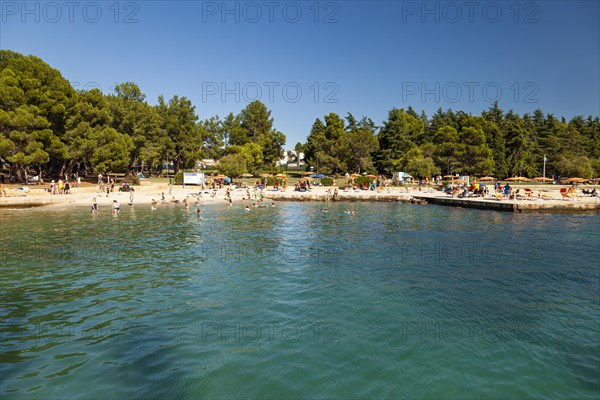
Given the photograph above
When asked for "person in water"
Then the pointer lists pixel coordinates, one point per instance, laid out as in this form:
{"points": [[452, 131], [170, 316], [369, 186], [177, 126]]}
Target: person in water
{"points": [[116, 206], [94, 205]]}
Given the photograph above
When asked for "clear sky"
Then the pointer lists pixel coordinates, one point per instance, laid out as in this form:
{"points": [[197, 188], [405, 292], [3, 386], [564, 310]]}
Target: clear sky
{"points": [[304, 59]]}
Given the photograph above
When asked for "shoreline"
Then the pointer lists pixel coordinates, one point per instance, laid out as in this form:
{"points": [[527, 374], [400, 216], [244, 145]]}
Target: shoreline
{"points": [[144, 195]]}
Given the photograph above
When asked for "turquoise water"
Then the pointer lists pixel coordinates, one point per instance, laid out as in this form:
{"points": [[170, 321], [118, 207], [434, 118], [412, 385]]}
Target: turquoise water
{"points": [[398, 301]]}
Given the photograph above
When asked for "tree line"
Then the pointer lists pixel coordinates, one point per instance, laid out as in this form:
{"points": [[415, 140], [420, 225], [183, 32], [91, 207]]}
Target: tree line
{"points": [[495, 143], [48, 127]]}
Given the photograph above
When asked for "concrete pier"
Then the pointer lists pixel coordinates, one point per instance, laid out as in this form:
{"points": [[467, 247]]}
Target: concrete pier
{"points": [[586, 205]]}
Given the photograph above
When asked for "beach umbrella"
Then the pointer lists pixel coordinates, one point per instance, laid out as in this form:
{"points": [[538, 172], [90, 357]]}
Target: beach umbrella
{"points": [[220, 177], [450, 177], [576, 180], [542, 179], [517, 178], [266, 175], [370, 176], [246, 175], [307, 173], [280, 176], [487, 178], [318, 176]]}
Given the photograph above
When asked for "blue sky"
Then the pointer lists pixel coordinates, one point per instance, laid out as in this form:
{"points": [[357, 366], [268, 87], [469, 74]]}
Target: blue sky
{"points": [[304, 59]]}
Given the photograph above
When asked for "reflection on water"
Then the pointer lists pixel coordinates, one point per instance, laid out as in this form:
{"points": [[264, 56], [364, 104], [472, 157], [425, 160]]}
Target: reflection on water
{"points": [[397, 301]]}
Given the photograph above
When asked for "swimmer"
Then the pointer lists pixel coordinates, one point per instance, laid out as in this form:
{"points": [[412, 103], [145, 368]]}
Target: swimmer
{"points": [[324, 210], [247, 209]]}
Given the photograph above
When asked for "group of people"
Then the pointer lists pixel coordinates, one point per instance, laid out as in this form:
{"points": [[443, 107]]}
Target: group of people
{"points": [[60, 187], [116, 207]]}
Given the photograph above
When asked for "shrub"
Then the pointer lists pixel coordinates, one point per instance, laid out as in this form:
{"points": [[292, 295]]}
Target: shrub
{"points": [[132, 180], [360, 179], [178, 178], [327, 181], [271, 181]]}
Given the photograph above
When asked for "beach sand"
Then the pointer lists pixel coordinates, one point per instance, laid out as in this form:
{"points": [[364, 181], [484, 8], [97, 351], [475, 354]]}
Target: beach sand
{"points": [[145, 194]]}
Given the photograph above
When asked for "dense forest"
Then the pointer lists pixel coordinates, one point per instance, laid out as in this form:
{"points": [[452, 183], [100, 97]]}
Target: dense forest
{"points": [[49, 128], [495, 143]]}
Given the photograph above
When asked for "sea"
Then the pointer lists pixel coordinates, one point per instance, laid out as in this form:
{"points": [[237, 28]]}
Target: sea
{"points": [[393, 301]]}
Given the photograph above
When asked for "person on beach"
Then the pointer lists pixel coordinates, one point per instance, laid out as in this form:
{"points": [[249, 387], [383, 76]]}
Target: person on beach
{"points": [[2, 191], [67, 187], [116, 206], [162, 198], [99, 179], [94, 205]]}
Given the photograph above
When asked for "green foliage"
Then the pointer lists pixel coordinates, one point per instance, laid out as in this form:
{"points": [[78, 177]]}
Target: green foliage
{"points": [[327, 181], [232, 165], [178, 178], [47, 125], [252, 154], [397, 136], [132, 180], [415, 164], [581, 167]]}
